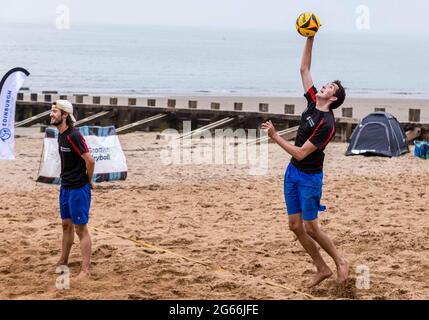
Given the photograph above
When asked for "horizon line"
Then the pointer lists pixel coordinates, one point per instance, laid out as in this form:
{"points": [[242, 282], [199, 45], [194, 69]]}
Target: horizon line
{"points": [[212, 27]]}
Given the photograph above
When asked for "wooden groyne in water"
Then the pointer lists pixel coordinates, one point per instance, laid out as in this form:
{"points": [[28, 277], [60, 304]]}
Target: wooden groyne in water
{"points": [[131, 114]]}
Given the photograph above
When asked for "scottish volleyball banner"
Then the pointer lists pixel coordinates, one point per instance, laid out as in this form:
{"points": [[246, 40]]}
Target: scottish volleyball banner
{"points": [[104, 147], [9, 87]]}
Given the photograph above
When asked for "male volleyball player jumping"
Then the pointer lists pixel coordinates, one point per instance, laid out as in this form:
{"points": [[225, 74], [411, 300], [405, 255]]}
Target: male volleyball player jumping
{"points": [[304, 175]]}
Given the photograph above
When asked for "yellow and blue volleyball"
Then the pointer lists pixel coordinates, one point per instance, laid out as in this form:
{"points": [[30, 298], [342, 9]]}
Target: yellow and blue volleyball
{"points": [[307, 24]]}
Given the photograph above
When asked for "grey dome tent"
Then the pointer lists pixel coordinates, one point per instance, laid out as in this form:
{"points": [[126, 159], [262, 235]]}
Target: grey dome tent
{"points": [[378, 134]]}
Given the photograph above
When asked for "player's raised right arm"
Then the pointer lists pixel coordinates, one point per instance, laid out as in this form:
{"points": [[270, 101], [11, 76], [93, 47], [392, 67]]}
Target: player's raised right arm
{"points": [[307, 80]]}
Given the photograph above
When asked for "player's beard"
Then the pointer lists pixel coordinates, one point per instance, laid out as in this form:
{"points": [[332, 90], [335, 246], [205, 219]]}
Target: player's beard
{"points": [[56, 122]]}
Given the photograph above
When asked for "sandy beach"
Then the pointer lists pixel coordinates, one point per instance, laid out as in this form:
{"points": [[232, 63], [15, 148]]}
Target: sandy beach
{"points": [[214, 231]]}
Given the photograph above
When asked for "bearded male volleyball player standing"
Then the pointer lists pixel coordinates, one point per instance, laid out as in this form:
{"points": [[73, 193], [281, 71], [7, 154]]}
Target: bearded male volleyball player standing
{"points": [[77, 169], [304, 175]]}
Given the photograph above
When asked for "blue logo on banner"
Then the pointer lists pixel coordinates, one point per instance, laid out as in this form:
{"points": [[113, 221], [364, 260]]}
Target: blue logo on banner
{"points": [[5, 134]]}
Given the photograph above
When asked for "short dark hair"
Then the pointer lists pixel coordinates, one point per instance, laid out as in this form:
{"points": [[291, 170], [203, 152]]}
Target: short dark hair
{"points": [[340, 94]]}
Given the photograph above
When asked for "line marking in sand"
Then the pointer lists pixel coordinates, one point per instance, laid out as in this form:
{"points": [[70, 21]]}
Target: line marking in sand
{"points": [[144, 244], [155, 248], [273, 284]]}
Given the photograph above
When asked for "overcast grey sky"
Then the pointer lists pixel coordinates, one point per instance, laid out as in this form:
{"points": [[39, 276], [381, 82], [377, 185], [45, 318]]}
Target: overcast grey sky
{"points": [[386, 16]]}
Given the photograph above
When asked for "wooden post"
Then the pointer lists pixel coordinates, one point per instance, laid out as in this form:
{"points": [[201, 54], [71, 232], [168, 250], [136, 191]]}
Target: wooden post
{"points": [[347, 112], [171, 103], [123, 118], [414, 115], [263, 107], [342, 133], [349, 131], [28, 112], [113, 101], [79, 98], [238, 106], [289, 109], [80, 113], [215, 105], [19, 114], [192, 104]]}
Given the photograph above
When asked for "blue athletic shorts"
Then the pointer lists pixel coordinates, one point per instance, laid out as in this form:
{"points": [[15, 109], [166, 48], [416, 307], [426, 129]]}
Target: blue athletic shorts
{"points": [[75, 203], [303, 192]]}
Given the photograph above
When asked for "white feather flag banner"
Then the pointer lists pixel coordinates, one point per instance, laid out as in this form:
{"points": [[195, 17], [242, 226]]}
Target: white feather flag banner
{"points": [[9, 87]]}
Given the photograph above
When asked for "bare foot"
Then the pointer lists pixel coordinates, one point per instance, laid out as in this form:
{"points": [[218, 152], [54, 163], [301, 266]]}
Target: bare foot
{"points": [[320, 277], [83, 275], [343, 272], [62, 262]]}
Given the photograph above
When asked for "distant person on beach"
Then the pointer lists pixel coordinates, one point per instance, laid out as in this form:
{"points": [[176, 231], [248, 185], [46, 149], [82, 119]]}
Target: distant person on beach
{"points": [[77, 168], [304, 176]]}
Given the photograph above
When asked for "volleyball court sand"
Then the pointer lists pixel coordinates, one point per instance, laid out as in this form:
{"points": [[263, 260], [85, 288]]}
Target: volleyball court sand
{"points": [[230, 226]]}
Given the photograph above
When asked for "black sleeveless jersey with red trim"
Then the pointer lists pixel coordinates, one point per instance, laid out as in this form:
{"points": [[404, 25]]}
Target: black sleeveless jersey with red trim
{"points": [[72, 146], [318, 127]]}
